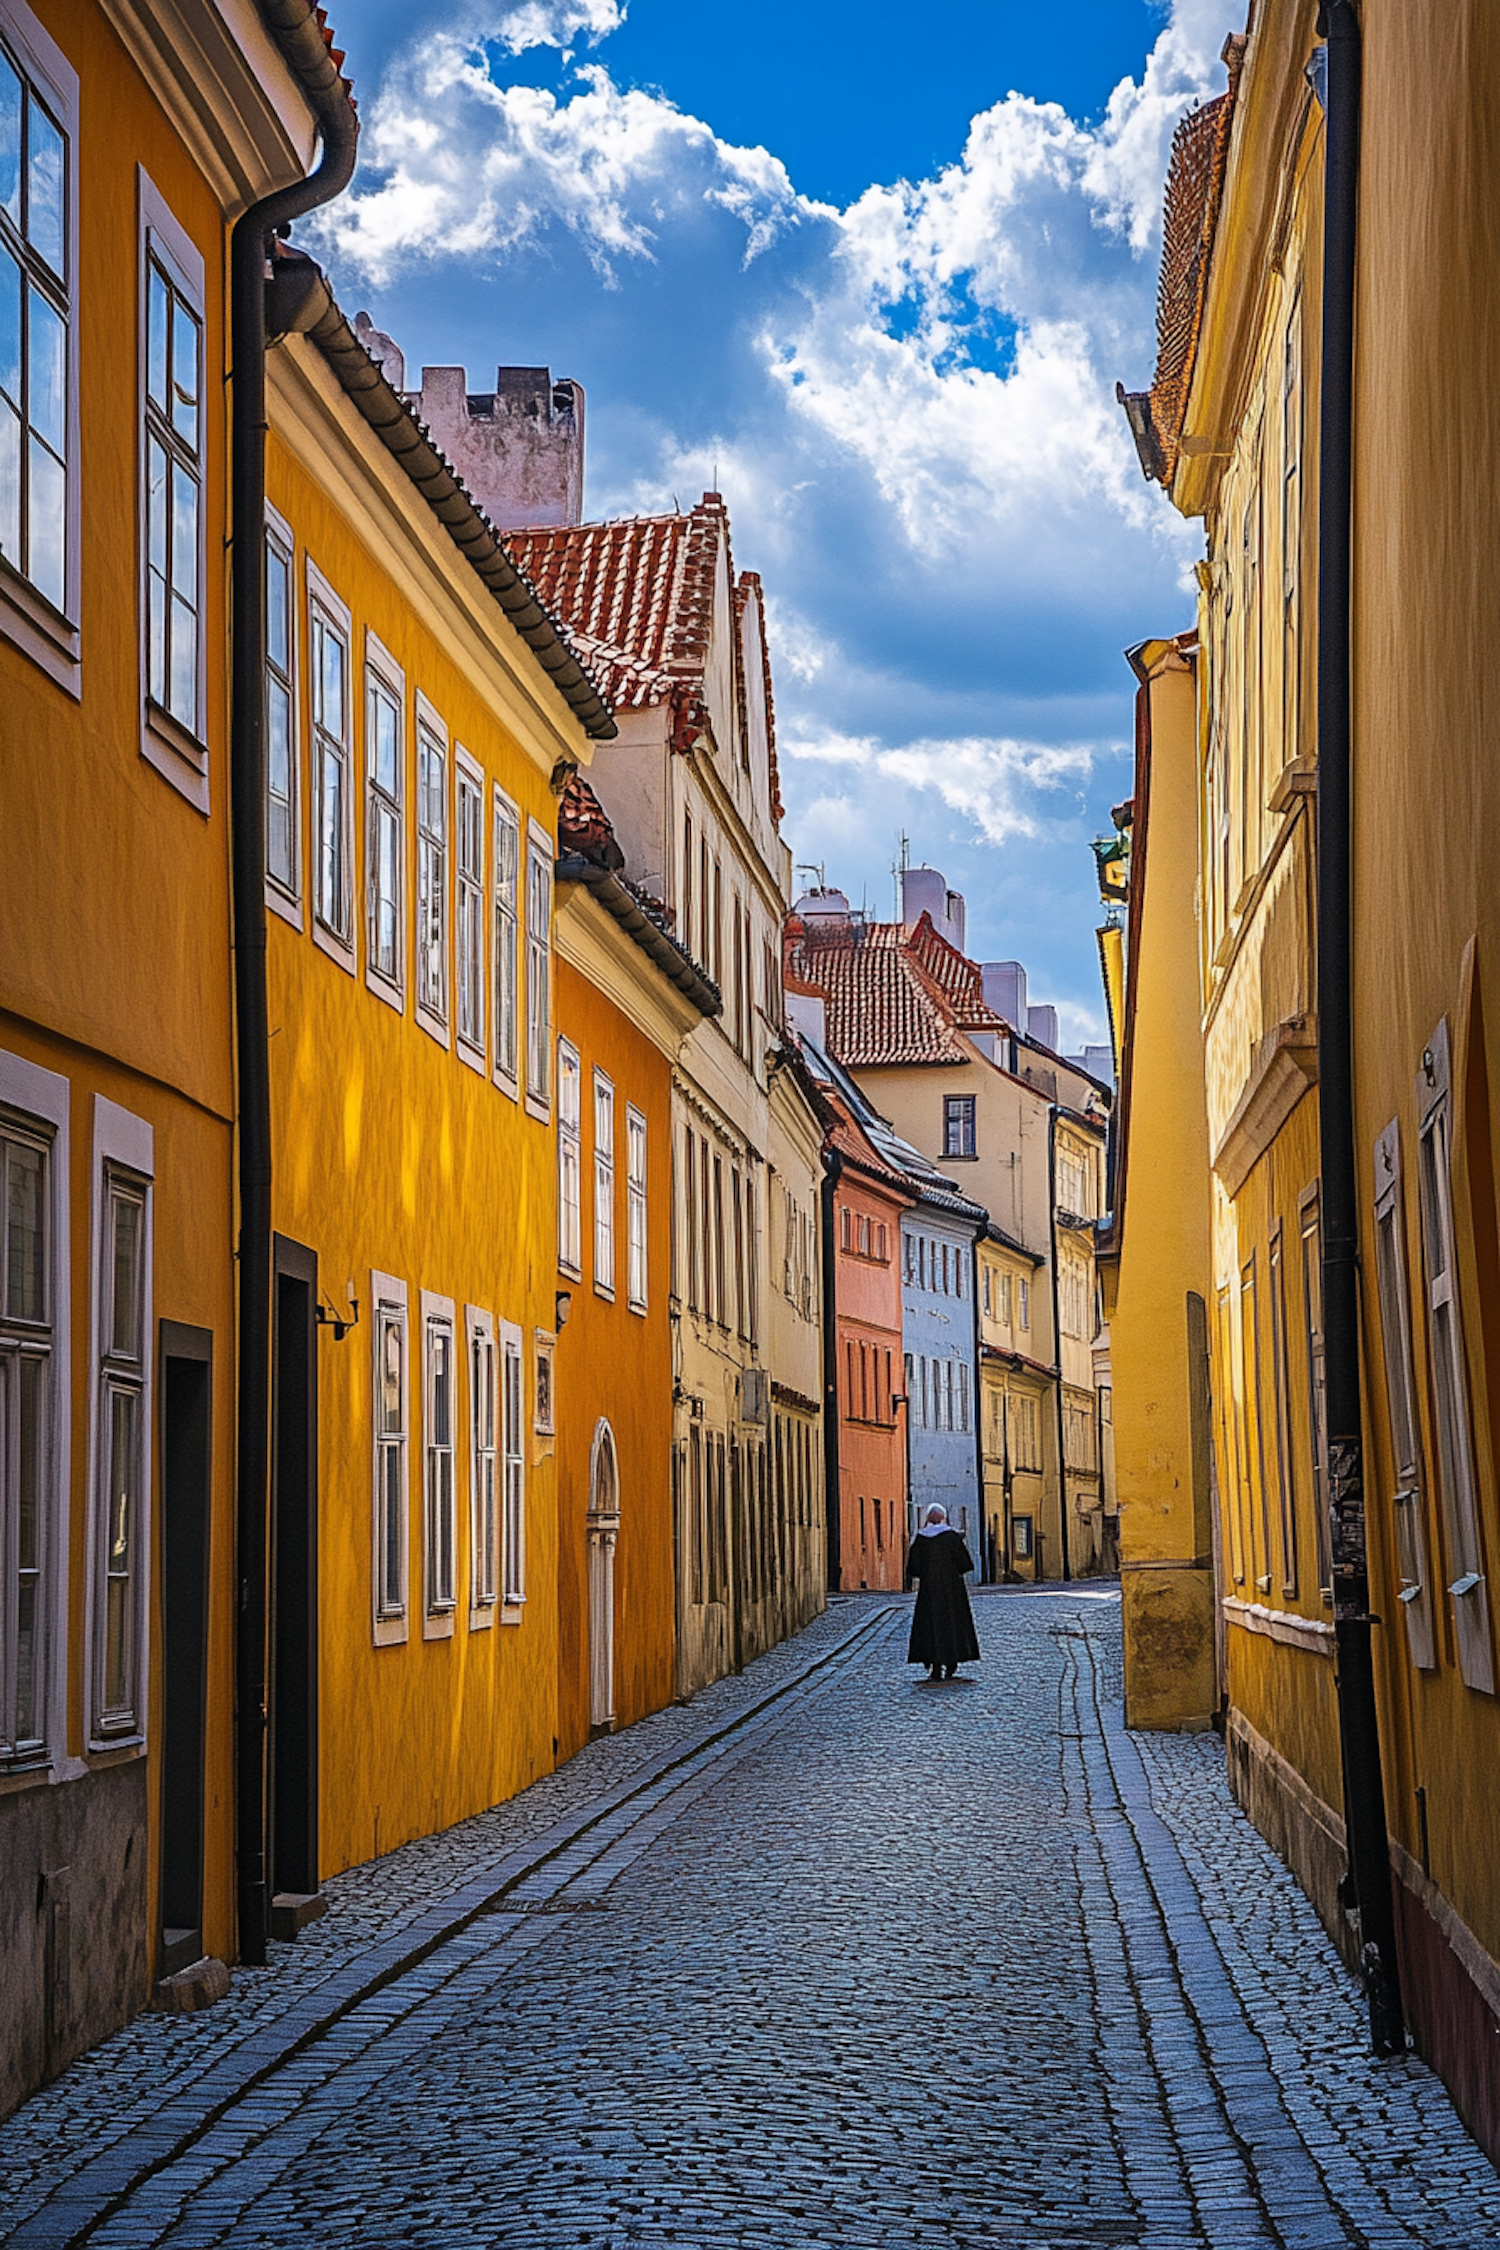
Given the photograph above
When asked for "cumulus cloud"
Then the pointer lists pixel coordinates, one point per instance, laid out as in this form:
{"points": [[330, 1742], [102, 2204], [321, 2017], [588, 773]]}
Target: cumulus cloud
{"points": [[519, 24], [993, 784]]}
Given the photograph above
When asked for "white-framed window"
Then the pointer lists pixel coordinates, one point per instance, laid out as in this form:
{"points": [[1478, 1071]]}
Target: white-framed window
{"points": [[469, 911], [439, 1500], [283, 792], [34, 1414], [604, 1185], [174, 530], [1457, 1484], [538, 967], [432, 871], [121, 1425], [512, 1466], [39, 504], [635, 1209], [391, 1422], [507, 831], [569, 1159], [1408, 1504], [332, 806], [385, 823], [1023, 1289], [484, 1467]]}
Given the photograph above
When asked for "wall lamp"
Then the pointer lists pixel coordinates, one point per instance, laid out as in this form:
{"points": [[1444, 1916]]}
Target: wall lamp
{"points": [[329, 1316], [562, 1305]]}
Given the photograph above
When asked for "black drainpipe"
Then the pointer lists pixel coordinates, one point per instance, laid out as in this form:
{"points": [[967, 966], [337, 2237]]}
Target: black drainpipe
{"points": [[294, 27], [832, 1496], [1062, 1451], [1369, 1876]]}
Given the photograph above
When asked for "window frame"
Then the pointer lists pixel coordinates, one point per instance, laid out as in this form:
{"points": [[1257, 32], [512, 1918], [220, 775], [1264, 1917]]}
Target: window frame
{"points": [[285, 898], [569, 1159], [504, 811], [514, 1417], [36, 1103], [486, 1466], [606, 1259], [123, 1156], [439, 1501], [537, 935], [471, 887], [1409, 1498], [323, 607], [29, 620], [389, 1303], [432, 734], [384, 676], [637, 1191], [176, 747], [960, 1110]]}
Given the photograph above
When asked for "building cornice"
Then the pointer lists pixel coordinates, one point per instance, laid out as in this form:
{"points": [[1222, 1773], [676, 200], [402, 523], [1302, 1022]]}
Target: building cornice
{"points": [[228, 90], [604, 934]]}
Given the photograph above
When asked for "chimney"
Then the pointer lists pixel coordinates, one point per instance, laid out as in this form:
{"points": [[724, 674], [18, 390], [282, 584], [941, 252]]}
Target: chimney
{"points": [[1041, 1025], [518, 448], [1005, 991], [925, 891]]}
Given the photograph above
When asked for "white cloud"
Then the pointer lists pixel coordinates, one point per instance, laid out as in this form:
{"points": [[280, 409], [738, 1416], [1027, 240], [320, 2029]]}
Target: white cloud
{"points": [[519, 24], [993, 783]]}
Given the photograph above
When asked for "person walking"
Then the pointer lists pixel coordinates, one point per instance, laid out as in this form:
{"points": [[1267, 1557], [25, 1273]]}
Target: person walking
{"points": [[942, 1631]]}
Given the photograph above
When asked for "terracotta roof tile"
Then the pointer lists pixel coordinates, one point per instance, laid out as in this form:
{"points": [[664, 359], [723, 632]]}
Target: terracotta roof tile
{"points": [[1195, 188], [892, 996]]}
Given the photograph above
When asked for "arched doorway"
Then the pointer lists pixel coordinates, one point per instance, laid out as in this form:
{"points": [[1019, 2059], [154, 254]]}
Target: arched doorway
{"points": [[603, 1529]]}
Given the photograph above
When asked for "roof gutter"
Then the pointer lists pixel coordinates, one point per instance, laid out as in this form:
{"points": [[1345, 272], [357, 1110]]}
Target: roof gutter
{"points": [[295, 28], [674, 961], [1369, 1876]]}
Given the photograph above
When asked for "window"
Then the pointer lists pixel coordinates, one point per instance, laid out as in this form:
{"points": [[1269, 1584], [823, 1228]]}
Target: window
{"points": [[538, 965], [1005, 1299], [604, 1185], [484, 1501], [1025, 1438], [392, 1432], [1073, 1182], [1415, 1594], [1312, 1316], [1024, 1288], [283, 822], [470, 907], [507, 966], [635, 1208], [174, 475], [1455, 1445], [685, 918], [38, 385], [963, 1397], [958, 1125], [121, 1424], [513, 1467], [328, 642], [1281, 1376], [432, 872], [439, 1527], [385, 823], [569, 1159], [1073, 1294], [28, 1329]]}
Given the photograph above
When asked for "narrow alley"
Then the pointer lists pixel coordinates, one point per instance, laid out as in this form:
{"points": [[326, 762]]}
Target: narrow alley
{"points": [[826, 1957]]}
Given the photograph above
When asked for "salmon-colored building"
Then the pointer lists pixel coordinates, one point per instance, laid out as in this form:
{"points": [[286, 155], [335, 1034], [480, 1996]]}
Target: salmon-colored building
{"points": [[627, 995]]}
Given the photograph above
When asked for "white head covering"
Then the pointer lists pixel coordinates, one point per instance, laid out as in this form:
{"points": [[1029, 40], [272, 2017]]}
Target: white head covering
{"points": [[935, 1521]]}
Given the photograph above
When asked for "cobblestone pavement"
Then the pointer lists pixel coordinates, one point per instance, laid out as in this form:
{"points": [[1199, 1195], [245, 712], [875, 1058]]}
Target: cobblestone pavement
{"points": [[826, 1958]]}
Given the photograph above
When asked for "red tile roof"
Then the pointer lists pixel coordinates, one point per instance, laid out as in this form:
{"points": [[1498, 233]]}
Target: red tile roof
{"points": [[1195, 189], [893, 996], [637, 596]]}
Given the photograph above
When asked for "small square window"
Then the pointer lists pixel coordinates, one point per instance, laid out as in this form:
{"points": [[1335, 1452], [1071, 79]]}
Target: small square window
{"points": [[958, 1125]]}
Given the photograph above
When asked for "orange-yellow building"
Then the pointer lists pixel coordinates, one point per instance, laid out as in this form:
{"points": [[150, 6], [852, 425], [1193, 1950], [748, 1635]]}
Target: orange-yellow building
{"points": [[423, 718], [627, 994]]}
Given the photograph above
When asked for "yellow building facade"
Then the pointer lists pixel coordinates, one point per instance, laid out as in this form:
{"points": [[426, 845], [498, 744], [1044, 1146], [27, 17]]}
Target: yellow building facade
{"points": [[417, 748], [1252, 379]]}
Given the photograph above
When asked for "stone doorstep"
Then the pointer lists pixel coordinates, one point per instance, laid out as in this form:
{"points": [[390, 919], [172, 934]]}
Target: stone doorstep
{"points": [[291, 1911], [190, 1989]]}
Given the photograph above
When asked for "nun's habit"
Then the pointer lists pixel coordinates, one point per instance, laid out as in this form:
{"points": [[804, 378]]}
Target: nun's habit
{"points": [[942, 1631]]}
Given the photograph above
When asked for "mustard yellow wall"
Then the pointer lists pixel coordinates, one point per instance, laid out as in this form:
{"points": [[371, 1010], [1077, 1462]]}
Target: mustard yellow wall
{"points": [[1427, 813], [393, 1154], [616, 1364], [114, 915]]}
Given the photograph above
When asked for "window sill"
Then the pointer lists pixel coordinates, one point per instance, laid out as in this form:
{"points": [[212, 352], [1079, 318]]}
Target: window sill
{"points": [[638, 1305], [30, 623], [481, 1620], [176, 753], [281, 902], [389, 1632], [602, 1289], [437, 1625], [338, 949], [538, 1106], [473, 1056], [35, 1773], [115, 1749], [513, 1611], [383, 989], [434, 1026], [506, 1085]]}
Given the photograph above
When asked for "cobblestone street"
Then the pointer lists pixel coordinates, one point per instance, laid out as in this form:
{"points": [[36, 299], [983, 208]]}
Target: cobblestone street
{"points": [[827, 1958]]}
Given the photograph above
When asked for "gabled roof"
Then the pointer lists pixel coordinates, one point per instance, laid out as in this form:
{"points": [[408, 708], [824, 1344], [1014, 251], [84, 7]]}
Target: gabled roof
{"points": [[897, 1158], [892, 995], [638, 598]]}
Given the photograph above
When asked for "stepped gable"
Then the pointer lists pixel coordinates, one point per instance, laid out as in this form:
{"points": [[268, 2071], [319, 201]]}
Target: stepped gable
{"points": [[638, 599], [892, 997]]}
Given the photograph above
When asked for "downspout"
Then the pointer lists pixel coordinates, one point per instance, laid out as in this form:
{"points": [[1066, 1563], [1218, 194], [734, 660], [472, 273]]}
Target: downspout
{"points": [[1369, 1874], [294, 27], [833, 1499], [1062, 1457]]}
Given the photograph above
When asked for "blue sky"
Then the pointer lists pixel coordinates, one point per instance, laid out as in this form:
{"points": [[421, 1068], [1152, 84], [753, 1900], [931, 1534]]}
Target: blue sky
{"points": [[875, 274]]}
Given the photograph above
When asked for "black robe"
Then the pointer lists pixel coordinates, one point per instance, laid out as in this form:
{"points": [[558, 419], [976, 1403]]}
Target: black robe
{"points": [[942, 1631]]}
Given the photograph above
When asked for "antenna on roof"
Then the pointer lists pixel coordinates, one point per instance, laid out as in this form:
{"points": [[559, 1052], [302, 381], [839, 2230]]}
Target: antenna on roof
{"points": [[818, 867], [676, 505], [899, 865]]}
